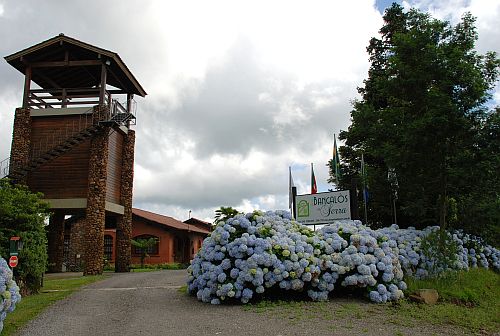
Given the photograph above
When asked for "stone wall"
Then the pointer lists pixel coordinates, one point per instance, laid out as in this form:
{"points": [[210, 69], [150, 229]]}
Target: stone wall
{"points": [[56, 242], [124, 223], [76, 246], [21, 141], [96, 201]]}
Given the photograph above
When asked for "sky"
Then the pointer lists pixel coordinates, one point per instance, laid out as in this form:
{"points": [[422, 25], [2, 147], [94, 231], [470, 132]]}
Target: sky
{"points": [[238, 91]]}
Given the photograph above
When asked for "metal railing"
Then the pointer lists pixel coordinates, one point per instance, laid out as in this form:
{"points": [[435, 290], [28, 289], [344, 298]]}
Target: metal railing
{"points": [[60, 135], [4, 167]]}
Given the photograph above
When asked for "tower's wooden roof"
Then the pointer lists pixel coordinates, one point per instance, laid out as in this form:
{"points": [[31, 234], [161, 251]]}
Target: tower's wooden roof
{"points": [[65, 62]]}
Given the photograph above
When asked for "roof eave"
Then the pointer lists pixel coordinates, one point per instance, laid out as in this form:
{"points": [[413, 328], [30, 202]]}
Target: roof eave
{"points": [[13, 57]]}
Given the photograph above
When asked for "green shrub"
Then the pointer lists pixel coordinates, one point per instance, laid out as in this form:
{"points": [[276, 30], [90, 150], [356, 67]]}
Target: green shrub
{"points": [[441, 250], [23, 214]]}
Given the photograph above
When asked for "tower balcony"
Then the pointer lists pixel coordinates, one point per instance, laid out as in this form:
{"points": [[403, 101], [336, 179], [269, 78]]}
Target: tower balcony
{"points": [[65, 101]]}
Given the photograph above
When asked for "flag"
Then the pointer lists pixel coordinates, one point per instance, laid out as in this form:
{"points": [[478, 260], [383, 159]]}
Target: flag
{"points": [[290, 186], [336, 162], [314, 187]]}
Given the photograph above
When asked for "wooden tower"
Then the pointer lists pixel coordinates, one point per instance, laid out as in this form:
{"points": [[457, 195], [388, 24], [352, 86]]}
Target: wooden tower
{"points": [[72, 141]]}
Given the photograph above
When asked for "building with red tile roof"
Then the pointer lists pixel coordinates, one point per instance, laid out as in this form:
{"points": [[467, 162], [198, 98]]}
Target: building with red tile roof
{"points": [[177, 242]]}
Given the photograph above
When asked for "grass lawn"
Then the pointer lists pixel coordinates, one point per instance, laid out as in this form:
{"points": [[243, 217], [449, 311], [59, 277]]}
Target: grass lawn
{"points": [[151, 267], [53, 290], [468, 300]]}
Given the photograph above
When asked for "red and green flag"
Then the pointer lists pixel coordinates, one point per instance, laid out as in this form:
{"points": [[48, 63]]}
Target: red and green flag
{"points": [[314, 187]]}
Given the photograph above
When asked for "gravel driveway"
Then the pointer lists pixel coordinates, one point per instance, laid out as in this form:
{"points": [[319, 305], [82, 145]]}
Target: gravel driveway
{"points": [[151, 304]]}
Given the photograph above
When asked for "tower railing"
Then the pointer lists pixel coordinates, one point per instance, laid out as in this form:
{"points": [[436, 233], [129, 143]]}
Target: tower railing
{"points": [[4, 167]]}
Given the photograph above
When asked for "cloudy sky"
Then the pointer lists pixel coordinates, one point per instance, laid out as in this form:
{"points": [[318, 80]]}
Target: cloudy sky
{"points": [[238, 91]]}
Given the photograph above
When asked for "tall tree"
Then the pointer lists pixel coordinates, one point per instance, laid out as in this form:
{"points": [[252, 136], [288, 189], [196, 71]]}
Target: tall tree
{"points": [[420, 110]]}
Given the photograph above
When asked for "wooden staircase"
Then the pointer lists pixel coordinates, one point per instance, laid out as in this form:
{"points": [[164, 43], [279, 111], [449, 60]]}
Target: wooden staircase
{"points": [[51, 154], [63, 140]]}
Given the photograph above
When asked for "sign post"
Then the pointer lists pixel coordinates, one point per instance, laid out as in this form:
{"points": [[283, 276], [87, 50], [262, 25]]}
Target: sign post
{"points": [[16, 244], [13, 261], [323, 208]]}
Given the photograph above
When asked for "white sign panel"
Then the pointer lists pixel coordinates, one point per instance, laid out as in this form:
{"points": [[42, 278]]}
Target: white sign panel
{"points": [[323, 207]]}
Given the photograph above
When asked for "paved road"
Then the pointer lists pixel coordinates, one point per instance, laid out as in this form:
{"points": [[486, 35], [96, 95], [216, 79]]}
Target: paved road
{"points": [[151, 304]]}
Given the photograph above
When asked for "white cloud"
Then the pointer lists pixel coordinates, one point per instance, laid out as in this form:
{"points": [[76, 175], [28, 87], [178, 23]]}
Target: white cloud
{"points": [[238, 91]]}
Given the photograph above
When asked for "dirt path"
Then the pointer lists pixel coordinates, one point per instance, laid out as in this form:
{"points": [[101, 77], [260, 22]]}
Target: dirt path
{"points": [[151, 304]]}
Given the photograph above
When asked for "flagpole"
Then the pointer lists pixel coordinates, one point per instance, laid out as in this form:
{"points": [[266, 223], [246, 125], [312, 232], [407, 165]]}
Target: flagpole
{"points": [[334, 170], [312, 174], [364, 187], [290, 189]]}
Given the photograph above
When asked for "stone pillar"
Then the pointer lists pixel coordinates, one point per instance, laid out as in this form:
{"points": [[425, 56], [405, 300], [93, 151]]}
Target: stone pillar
{"points": [[96, 202], [21, 142], [56, 242], [76, 247], [124, 223]]}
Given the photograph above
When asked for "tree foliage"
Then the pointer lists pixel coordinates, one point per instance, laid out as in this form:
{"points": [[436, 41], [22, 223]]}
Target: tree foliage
{"points": [[422, 114], [22, 213], [225, 213], [144, 244]]}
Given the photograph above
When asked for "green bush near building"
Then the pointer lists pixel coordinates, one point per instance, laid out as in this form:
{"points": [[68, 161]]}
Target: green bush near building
{"points": [[23, 214]]}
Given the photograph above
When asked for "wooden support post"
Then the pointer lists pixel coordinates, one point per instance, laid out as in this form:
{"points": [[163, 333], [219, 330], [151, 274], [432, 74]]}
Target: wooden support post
{"points": [[27, 84], [64, 98], [130, 96], [102, 93]]}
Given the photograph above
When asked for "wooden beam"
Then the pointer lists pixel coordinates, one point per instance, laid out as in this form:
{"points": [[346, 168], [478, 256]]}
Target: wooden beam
{"points": [[64, 98], [52, 64], [48, 80], [85, 89], [27, 84], [117, 91], [117, 79]]}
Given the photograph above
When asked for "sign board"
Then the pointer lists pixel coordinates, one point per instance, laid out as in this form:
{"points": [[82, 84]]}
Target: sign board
{"points": [[13, 261], [15, 245], [323, 208]]}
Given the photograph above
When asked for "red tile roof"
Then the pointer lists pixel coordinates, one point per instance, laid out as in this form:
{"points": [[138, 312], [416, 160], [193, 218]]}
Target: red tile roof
{"points": [[167, 221], [199, 223]]}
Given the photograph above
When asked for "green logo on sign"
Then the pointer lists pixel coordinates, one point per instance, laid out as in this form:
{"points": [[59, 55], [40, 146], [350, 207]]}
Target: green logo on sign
{"points": [[303, 209]]}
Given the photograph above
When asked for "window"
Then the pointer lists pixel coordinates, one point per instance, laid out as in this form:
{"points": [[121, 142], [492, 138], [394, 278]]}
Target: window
{"points": [[151, 250], [108, 247]]}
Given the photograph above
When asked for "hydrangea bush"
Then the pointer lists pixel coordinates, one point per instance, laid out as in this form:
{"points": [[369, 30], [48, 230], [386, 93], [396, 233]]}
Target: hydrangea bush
{"points": [[250, 254], [9, 291]]}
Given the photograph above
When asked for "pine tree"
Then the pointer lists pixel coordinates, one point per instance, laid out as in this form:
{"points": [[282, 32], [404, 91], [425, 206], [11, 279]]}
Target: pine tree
{"points": [[420, 110]]}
